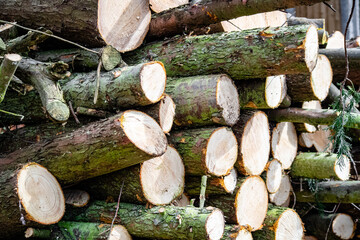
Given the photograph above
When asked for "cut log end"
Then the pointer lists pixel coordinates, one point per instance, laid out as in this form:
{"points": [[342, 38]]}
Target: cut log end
{"points": [[305, 140], [289, 226], [244, 234], [230, 181], [311, 47], [144, 132], [163, 178], [153, 80], [275, 90], [215, 225], [273, 176], [343, 226], [76, 198], [40, 194], [282, 195], [321, 77], [284, 143], [227, 98], [221, 152], [13, 57], [119, 232], [161, 5], [252, 212], [342, 168], [166, 113], [58, 110], [181, 201], [311, 105]]}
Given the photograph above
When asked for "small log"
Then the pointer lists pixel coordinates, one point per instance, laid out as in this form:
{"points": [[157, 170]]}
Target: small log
{"points": [[281, 196], [330, 192], [215, 185], [101, 147], [66, 230], [204, 100], [8, 31], [273, 176], [158, 181], [311, 116], [238, 209], [203, 13], [206, 151], [322, 139], [138, 85], [161, 222], [29, 195], [321, 166], [160, 6], [235, 232], [305, 127], [110, 58], [253, 136], [305, 140], [163, 112], [181, 201], [281, 223], [294, 51], [335, 41], [312, 86], [341, 226], [284, 143], [76, 198], [262, 93], [7, 70]]}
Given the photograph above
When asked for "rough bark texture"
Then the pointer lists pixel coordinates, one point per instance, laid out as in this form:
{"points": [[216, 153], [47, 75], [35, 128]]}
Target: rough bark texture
{"points": [[189, 17], [158, 222], [7, 70], [255, 53], [96, 149], [23, 43]]}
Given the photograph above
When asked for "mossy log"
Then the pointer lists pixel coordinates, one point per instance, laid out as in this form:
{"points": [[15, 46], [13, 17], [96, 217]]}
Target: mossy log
{"points": [[253, 136], [330, 192], [138, 85], [192, 16], [330, 226], [67, 230], [204, 100], [321, 166], [158, 181], [281, 223], [162, 222], [265, 93], [101, 147], [7, 70], [206, 151], [255, 53], [29, 196]]}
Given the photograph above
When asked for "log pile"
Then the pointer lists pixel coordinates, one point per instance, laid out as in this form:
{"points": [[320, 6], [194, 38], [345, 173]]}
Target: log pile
{"points": [[218, 135]]}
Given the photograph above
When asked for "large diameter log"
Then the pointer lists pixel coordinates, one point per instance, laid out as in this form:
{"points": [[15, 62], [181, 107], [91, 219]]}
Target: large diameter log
{"points": [[204, 100], [101, 147], [284, 143], [262, 93], [331, 192], [29, 195], [337, 60], [311, 116], [215, 185], [7, 70], [162, 222], [122, 25], [281, 224], [292, 49], [205, 151], [330, 226], [238, 209], [253, 136], [203, 13], [273, 176], [281, 196], [158, 181], [321, 166], [311, 86], [138, 85], [235, 232]]}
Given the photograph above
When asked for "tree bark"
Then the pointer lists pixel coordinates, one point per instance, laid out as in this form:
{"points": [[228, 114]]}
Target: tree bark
{"points": [[101, 147], [204, 100], [7, 70], [161, 222], [29, 196], [235, 232], [138, 85], [158, 181], [311, 116], [253, 136], [321, 166], [274, 51], [206, 151], [189, 17]]}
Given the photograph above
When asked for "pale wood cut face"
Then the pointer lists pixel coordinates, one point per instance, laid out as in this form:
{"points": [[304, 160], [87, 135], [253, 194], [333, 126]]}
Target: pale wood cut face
{"points": [[342, 170], [315, 104], [153, 81], [275, 90], [311, 47], [215, 224], [162, 5], [282, 195], [230, 181], [343, 226], [289, 226], [321, 77], [119, 232], [167, 113], [244, 234], [273, 176]]}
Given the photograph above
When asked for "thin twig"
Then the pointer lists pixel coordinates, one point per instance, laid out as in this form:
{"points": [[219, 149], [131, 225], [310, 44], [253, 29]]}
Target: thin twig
{"points": [[97, 86], [355, 206], [117, 206], [73, 113], [13, 114], [50, 35], [202, 191], [330, 6]]}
